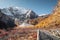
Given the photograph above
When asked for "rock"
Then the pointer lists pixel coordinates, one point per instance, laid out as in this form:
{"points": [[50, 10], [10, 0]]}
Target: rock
{"points": [[44, 35], [6, 21]]}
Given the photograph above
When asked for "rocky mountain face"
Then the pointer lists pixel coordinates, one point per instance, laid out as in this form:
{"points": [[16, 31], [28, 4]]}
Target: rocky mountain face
{"points": [[14, 16], [53, 20], [19, 13], [6, 21]]}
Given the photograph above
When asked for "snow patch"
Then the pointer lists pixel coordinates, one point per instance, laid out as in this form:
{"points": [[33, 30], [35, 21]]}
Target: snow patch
{"points": [[25, 25], [42, 14]]}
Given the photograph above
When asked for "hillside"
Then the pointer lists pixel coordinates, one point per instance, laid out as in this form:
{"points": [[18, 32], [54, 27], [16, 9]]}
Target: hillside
{"points": [[53, 20], [36, 20]]}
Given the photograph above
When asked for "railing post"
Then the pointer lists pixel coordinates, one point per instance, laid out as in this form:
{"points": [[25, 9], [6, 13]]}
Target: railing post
{"points": [[38, 34]]}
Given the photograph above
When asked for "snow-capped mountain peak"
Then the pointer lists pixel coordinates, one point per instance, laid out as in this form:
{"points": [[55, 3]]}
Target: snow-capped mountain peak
{"points": [[19, 12], [19, 9]]}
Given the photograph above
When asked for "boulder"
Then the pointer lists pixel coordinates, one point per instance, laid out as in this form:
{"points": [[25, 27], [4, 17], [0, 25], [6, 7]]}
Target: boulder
{"points": [[44, 35]]}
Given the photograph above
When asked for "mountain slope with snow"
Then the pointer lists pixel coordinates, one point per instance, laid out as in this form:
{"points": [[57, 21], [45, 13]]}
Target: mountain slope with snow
{"points": [[20, 13]]}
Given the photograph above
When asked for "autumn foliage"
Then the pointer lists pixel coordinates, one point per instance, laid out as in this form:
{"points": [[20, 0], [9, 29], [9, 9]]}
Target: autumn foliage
{"points": [[53, 20]]}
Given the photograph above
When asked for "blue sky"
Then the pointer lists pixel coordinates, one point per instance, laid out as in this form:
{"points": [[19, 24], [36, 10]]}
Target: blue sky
{"points": [[38, 6]]}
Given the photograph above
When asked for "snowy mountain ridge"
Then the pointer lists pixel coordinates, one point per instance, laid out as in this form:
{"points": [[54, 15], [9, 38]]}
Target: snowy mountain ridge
{"points": [[19, 13]]}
